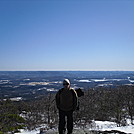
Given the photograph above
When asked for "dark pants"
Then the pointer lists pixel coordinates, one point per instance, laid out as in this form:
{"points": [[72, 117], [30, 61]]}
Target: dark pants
{"points": [[62, 121]]}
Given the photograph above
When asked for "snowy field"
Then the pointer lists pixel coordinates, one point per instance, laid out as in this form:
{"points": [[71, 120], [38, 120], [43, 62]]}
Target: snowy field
{"points": [[99, 126]]}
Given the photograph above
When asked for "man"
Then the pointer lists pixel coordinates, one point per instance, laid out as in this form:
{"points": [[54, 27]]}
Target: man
{"points": [[66, 101]]}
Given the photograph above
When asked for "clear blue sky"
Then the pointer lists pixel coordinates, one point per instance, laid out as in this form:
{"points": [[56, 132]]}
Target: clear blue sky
{"points": [[66, 35]]}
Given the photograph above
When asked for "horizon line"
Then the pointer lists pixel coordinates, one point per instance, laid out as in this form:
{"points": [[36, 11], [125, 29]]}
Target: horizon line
{"points": [[63, 70]]}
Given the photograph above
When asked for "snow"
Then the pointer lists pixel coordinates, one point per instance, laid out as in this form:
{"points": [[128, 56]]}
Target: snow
{"points": [[132, 81], [84, 81], [99, 80], [26, 80], [51, 89], [15, 99], [51, 131], [28, 132], [101, 85], [126, 129], [104, 80], [99, 126], [108, 126]]}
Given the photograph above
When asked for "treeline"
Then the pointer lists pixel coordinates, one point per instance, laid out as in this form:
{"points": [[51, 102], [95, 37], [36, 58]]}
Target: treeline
{"points": [[111, 104], [108, 104], [10, 119]]}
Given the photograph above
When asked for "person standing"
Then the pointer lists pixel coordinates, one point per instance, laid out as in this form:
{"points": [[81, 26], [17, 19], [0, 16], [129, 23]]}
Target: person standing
{"points": [[66, 101]]}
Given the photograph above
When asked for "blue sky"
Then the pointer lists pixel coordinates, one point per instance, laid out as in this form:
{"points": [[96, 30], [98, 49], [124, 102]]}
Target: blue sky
{"points": [[66, 35]]}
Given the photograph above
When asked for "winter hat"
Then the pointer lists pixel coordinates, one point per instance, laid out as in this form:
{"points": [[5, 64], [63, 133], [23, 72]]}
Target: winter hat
{"points": [[66, 81]]}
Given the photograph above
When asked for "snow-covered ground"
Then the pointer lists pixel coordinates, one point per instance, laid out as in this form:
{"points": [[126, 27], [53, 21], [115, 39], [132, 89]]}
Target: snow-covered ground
{"points": [[98, 126], [108, 126]]}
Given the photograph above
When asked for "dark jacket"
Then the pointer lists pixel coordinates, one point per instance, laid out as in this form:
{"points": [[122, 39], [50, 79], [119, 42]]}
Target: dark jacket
{"points": [[66, 99]]}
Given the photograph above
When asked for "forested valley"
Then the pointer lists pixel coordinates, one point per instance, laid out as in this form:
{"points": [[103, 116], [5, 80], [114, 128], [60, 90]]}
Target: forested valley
{"points": [[104, 104]]}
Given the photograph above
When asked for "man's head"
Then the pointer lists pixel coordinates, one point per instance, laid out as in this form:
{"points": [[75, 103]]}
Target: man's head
{"points": [[66, 83]]}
